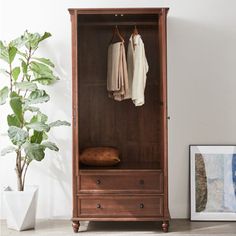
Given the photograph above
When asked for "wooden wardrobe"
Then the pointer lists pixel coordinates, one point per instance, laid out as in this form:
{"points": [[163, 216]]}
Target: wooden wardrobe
{"points": [[137, 188]]}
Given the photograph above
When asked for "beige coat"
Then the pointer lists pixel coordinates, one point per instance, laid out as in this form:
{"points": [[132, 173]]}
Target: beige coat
{"points": [[117, 74]]}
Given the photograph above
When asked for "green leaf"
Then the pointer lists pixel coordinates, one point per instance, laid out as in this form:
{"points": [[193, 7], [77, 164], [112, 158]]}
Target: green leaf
{"points": [[7, 150], [34, 151], [31, 40], [24, 67], [45, 61], [15, 73], [12, 53], [17, 135], [2, 47], [22, 54], [45, 36], [4, 52], [37, 137], [14, 95], [3, 95], [13, 121], [50, 145], [39, 117], [42, 73], [45, 137], [33, 119], [38, 96], [18, 42], [30, 108], [16, 105], [41, 69], [59, 123], [25, 85], [38, 126], [42, 117], [45, 81]]}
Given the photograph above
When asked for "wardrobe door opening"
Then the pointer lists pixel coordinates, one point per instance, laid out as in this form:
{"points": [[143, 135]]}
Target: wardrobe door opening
{"points": [[135, 131]]}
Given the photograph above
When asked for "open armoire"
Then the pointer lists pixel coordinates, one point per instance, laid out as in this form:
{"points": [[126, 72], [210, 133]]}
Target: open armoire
{"points": [[137, 188]]}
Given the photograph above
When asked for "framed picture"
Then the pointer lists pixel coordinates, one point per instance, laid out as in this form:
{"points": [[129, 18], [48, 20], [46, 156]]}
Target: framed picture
{"points": [[213, 182]]}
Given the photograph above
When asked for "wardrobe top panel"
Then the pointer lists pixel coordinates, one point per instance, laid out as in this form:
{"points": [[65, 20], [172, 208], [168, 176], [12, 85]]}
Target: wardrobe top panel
{"points": [[118, 10]]}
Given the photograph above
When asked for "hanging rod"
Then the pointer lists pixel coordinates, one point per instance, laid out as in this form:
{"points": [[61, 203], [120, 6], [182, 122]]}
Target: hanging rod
{"points": [[118, 23]]}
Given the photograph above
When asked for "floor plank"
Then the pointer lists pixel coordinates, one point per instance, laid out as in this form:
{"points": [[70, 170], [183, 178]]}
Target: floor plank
{"points": [[177, 227]]}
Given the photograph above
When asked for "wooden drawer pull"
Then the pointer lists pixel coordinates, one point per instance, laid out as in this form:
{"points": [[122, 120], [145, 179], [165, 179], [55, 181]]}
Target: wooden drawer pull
{"points": [[141, 182], [141, 205], [99, 206], [98, 181]]}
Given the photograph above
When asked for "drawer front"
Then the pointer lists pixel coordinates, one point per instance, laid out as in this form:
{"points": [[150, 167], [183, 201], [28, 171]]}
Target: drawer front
{"points": [[140, 181], [142, 206]]}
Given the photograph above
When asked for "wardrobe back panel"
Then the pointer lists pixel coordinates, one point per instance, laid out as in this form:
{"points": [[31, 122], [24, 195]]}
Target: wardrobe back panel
{"points": [[135, 131]]}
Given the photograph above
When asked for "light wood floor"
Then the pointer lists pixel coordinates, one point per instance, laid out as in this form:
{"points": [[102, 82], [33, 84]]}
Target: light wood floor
{"points": [[177, 227]]}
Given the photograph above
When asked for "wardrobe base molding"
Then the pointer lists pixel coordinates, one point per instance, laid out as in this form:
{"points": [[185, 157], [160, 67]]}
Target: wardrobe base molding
{"points": [[153, 219], [164, 222]]}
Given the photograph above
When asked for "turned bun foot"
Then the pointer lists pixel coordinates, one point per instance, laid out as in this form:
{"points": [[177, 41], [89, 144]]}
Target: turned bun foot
{"points": [[75, 226], [165, 226]]}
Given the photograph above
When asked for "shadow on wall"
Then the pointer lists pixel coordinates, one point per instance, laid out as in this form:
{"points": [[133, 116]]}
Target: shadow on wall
{"points": [[201, 74], [201, 92], [56, 169]]}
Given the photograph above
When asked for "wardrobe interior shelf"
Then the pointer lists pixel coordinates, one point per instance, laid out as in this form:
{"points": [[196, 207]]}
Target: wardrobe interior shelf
{"points": [[141, 165]]}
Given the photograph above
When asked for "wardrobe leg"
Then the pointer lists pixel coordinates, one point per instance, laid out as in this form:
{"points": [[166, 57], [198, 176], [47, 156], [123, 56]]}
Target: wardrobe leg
{"points": [[165, 226], [75, 226]]}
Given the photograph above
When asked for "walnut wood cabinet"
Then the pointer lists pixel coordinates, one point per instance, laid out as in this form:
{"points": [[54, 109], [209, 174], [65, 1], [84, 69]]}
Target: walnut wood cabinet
{"points": [[137, 188]]}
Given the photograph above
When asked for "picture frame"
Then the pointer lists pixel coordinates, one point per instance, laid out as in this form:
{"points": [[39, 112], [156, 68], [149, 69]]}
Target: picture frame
{"points": [[212, 182]]}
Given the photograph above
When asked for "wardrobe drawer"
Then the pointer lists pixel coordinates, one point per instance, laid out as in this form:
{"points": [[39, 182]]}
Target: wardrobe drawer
{"points": [[122, 206], [152, 181]]}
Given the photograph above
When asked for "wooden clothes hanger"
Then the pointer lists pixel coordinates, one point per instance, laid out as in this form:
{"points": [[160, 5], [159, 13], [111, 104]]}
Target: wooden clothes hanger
{"points": [[117, 32], [135, 32]]}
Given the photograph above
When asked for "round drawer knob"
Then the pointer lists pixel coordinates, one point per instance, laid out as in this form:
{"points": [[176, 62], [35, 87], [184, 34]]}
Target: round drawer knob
{"points": [[98, 206], [98, 181], [141, 182], [141, 205]]}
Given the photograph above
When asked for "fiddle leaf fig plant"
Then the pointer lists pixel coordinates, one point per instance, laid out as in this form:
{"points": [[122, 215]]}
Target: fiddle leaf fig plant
{"points": [[26, 76]]}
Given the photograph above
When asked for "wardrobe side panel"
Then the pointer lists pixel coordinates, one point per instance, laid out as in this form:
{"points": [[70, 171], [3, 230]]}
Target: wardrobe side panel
{"points": [[75, 126], [164, 122]]}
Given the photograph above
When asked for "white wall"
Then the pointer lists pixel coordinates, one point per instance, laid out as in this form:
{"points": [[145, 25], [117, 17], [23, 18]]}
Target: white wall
{"points": [[201, 86]]}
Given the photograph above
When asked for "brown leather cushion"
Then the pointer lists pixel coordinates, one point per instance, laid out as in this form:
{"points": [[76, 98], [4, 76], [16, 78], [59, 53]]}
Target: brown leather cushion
{"points": [[100, 156]]}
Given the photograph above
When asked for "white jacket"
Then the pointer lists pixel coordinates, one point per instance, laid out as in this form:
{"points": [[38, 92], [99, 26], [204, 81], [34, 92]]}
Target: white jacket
{"points": [[137, 69]]}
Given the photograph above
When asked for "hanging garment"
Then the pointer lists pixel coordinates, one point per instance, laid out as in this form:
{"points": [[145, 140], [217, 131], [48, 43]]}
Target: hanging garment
{"points": [[137, 69], [117, 74]]}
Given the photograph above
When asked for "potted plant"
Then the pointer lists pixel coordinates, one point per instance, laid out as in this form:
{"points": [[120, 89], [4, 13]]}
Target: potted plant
{"points": [[28, 128]]}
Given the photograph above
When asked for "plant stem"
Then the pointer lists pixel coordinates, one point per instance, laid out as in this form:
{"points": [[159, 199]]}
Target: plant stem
{"points": [[27, 64], [20, 185], [21, 168], [26, 168], [25, 93], [10, 73]]}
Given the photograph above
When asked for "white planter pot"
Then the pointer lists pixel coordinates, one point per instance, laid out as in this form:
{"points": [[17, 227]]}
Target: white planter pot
{"points": [[21, 208]]}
